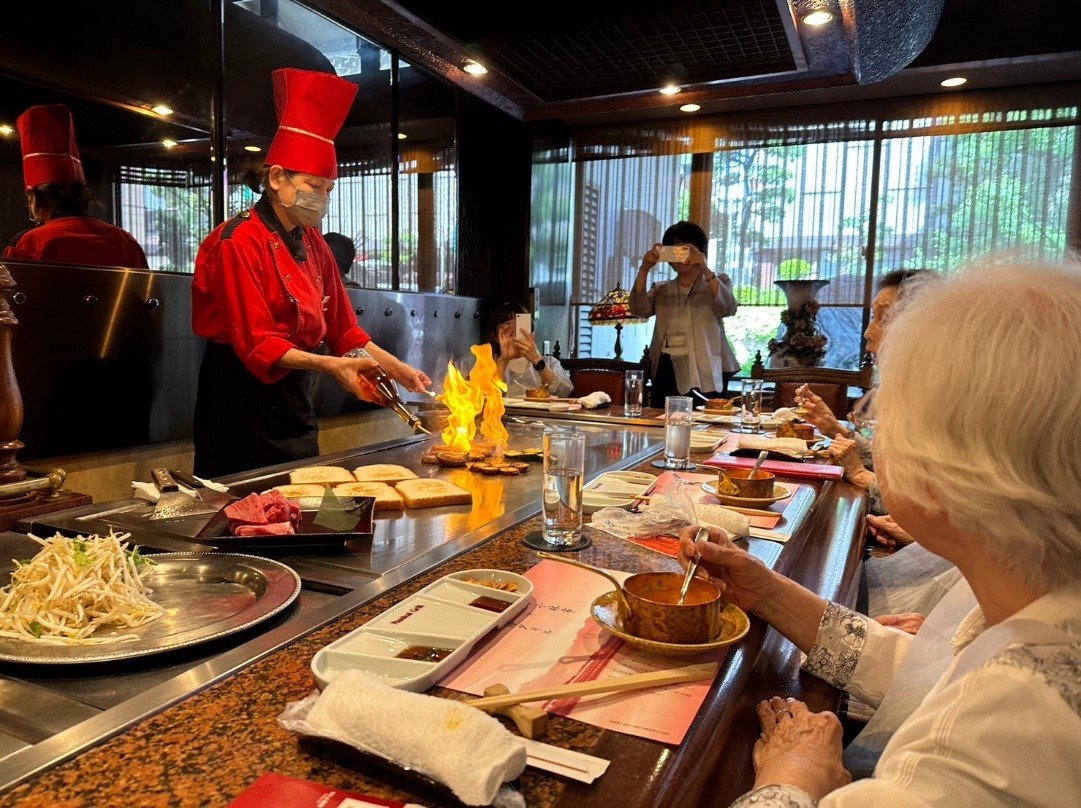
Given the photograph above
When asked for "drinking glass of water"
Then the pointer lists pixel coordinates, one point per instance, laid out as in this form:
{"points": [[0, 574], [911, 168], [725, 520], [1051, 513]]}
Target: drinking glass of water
{"points": [[750, 412], [633, 382], [564, 470], [678, 418]]}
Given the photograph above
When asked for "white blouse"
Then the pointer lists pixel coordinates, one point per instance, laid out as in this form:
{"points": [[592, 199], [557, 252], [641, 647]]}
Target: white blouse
{"points": [[1001, 727]]}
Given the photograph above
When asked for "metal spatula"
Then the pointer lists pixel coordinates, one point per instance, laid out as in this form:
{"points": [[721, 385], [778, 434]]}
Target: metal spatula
{"points": [[174, 503]]}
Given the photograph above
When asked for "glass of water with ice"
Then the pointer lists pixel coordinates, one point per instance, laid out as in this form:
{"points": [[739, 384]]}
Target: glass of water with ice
{"points": [[564, 470], [678, 418]]}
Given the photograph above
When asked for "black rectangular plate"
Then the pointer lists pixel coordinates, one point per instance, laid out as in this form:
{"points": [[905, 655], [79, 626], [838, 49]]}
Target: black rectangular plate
{"points": [[309, 536]]}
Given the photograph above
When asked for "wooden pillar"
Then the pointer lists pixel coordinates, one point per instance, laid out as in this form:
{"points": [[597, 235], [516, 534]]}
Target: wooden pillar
{"points": [[11, 399]]}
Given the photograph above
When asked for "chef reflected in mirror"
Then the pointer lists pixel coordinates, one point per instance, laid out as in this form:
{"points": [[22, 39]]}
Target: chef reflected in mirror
{"points": [[59, 201], [269, 299]]}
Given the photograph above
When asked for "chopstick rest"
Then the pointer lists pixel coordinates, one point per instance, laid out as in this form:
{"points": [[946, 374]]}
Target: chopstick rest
{"points": [[532, 722]]}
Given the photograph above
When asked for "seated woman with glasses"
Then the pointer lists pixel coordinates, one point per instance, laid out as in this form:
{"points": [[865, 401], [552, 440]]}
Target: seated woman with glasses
{"points": [[520, 362]]}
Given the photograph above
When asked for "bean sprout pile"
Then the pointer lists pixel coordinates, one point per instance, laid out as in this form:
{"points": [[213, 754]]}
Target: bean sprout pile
{"points": [[74, 587]]}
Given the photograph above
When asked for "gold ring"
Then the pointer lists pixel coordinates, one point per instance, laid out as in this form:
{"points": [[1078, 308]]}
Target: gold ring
{"points": [[783, 710]]}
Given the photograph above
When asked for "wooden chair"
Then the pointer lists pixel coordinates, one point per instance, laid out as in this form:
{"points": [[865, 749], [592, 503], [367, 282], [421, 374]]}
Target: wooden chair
{"points": [[589, 374], [831, 384]]}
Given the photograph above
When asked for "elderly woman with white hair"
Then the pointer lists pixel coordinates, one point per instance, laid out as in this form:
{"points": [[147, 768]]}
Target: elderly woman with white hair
{"points": [[995, 490]]}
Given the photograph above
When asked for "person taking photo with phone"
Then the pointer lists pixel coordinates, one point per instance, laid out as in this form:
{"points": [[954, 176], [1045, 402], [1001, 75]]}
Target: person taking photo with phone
{"points": [[689, 351], [520, 362]]}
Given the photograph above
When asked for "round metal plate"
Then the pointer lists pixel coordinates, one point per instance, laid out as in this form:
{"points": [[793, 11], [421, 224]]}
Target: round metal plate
{"points": [[205, 596]]}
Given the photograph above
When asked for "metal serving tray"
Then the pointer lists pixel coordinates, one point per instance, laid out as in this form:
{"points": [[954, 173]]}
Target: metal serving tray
{"points": [[205, 596]]}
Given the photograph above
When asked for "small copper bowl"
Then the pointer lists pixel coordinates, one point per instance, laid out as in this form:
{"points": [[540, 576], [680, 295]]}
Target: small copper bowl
{"points": [[655, 614], [804, 431], [758, 487]]}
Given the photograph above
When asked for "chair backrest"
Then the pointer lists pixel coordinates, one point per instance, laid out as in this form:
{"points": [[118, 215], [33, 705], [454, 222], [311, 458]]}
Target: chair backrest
{"points": [[589, 375], [831, 384]]}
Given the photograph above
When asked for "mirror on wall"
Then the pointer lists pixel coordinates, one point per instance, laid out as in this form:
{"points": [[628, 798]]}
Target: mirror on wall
{"points": [[140, 101]]}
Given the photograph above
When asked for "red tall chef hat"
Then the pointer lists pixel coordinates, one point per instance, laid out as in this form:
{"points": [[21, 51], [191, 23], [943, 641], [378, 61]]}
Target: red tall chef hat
{"points": [[47, 137], [311, 109]]}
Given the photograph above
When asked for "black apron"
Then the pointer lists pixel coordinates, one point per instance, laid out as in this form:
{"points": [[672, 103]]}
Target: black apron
{"points": [[242, 424]]}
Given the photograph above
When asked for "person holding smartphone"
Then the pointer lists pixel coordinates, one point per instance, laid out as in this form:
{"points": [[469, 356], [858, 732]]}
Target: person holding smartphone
{"points": [[510, 333], [689, 351]]}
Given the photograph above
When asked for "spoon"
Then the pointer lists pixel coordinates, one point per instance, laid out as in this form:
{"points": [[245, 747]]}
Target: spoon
{"points": [[692, 568], [624, 607], [758, 464]]}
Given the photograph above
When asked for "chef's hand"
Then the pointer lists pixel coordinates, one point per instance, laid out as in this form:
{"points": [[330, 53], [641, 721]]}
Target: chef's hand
{"points": [[909, 622], [742, 578], [345, 370], [798, 748], [413, 380], [818, 412], [887, 532]]}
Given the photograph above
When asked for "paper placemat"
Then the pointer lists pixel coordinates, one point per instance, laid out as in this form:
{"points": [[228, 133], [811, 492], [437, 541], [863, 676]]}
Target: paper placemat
{"points": [[556, 641]]}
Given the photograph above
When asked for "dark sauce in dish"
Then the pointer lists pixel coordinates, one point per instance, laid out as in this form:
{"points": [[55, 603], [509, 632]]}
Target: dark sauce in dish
{"points": [[491, 604], [424, 653]]}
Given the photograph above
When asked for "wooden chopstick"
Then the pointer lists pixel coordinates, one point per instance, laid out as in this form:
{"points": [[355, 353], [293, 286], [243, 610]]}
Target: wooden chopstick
{"points": [[671, 676]]}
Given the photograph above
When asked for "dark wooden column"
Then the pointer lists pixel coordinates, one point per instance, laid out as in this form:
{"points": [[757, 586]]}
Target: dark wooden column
{"points": [[11, 399]]}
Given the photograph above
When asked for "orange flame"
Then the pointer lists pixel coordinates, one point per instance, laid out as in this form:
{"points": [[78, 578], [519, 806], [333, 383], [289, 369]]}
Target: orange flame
{"points": [[485, 375], [464, 400]]}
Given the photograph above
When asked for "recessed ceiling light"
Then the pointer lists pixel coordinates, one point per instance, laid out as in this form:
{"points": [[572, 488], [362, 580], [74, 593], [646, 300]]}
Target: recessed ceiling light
{"points": [[252, 148], [474, 68], [955, 81], [671, 89], [169, 144], [402, 136], [161, 109], [690, 108], [818, 18], [5, 130]]}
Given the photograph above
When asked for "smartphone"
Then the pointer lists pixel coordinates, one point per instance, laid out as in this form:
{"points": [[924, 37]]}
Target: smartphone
{"points": [[523, 324], [675, 254]]}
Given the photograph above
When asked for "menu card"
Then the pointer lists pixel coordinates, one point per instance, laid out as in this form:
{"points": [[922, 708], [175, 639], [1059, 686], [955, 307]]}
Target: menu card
{"points": [[555, 641], [291, 792]]}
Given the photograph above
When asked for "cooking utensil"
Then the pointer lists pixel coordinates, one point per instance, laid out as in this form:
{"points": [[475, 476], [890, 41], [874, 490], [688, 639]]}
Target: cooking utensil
{"points": [[217, 499], [692, 568], [174, 503], [613, 684]]}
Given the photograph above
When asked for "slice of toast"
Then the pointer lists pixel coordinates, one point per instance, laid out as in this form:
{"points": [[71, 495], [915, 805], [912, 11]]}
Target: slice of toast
{"points": [[383, 473], [300, 491], [322, 475], [386, 498], [432, 493]]}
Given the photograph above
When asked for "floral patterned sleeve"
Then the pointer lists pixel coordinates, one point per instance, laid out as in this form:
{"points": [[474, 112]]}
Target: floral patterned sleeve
{"points": [[776, 797], [841, 637]]}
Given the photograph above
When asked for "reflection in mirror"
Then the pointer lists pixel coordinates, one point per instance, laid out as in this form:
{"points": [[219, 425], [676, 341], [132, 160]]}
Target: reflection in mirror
{"points": [[140, 115]]}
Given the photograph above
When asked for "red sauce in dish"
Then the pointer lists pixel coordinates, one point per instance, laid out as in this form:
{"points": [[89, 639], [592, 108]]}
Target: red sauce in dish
{"points": [[491, 604]]}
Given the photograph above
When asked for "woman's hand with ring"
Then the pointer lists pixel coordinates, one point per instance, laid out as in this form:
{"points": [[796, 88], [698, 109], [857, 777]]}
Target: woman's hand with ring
{"points": [[798, 748]]}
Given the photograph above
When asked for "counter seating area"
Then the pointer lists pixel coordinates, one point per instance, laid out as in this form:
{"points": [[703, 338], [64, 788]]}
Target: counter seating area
{"points": [[589, 375], [198, 733]]}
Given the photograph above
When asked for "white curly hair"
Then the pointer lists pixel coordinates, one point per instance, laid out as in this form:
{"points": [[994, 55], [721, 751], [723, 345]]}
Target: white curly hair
{"points": [[979, 412]]}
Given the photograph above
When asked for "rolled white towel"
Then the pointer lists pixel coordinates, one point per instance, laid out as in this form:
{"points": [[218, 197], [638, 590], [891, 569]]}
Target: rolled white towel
{"points": [[462, 747], [594, 400], [734, 524], [796, 447]]}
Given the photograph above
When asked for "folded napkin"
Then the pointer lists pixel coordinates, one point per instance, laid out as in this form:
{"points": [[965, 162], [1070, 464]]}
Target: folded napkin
{"points": [[462, 747], [796, 447], [595, 400]]}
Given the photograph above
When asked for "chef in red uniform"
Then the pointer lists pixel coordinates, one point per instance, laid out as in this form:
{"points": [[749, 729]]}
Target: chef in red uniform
{"points": [[59, 200], [268, 297]]}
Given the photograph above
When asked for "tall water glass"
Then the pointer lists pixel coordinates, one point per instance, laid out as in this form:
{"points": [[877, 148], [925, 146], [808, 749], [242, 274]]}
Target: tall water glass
{"points": [[633, 383], [564, 470], [750, 410], [678, 418]]}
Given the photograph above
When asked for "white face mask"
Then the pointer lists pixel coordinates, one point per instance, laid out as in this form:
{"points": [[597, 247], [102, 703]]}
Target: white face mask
{"points": [[307, 208]]}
